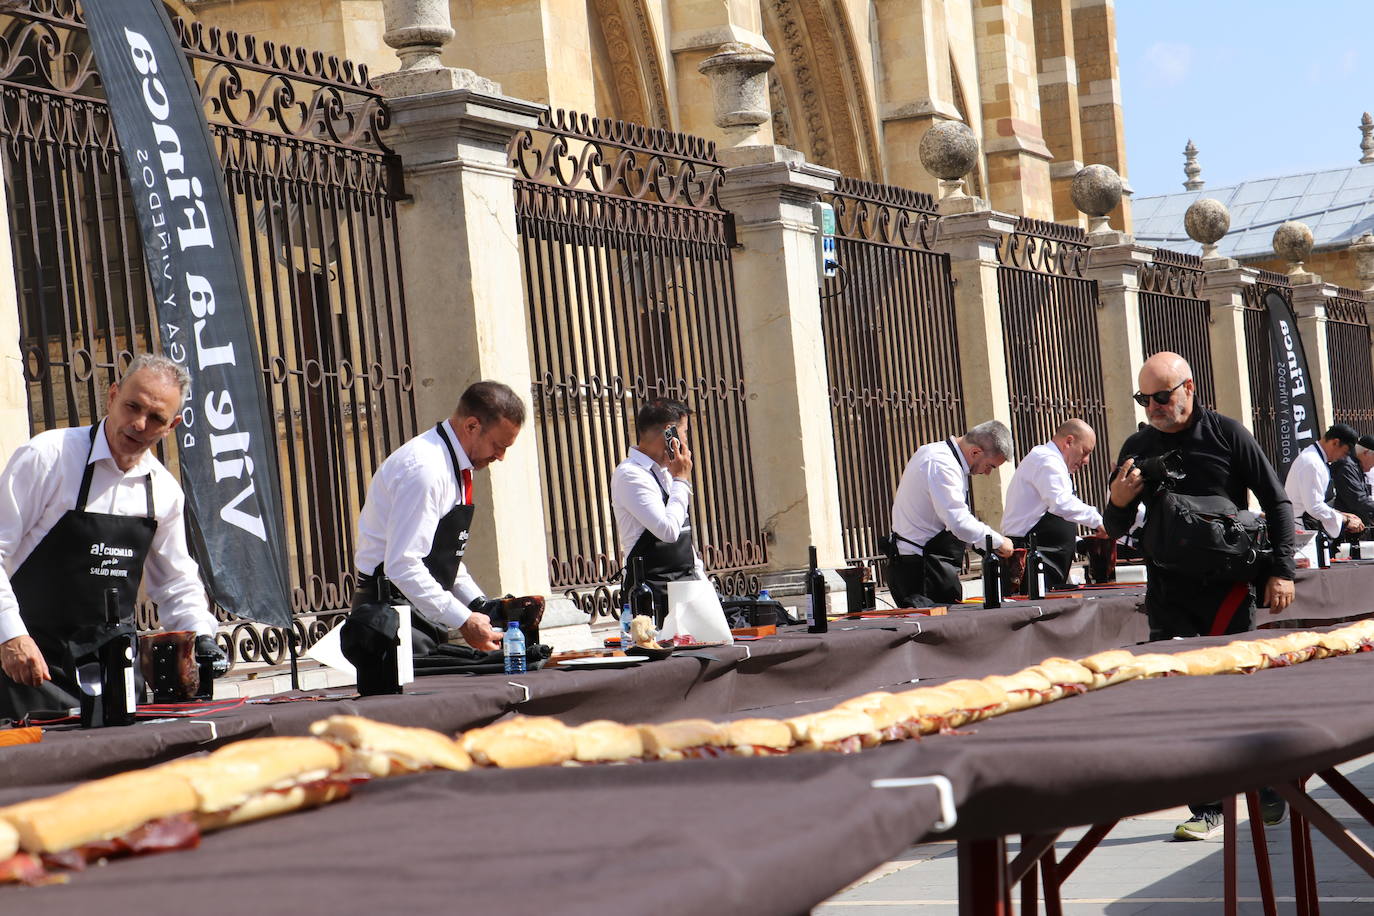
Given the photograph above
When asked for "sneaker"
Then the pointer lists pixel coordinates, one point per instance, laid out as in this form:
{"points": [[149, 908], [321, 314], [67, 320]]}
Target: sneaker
{"points": [[1273, 811], [1202, 826]]}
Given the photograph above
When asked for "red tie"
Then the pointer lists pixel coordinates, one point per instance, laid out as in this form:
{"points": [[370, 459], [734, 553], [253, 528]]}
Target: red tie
{"points": [[467, 486]]}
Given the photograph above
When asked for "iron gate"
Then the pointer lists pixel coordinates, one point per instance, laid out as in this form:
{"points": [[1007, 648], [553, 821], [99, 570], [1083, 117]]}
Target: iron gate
{"points": [[1175, 317], [1352, 372], [1049, 332], [631, 296], [312, 189], [891, 351]]}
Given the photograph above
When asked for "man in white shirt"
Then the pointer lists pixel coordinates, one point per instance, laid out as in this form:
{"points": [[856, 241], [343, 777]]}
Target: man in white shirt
{"points": [[71, 495], [414, 525], [651, 491], [1041, 500], [1309, 479], [932, 524]]}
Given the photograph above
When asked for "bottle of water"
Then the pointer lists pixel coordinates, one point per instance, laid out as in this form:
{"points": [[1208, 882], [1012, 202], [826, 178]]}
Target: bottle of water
{"points": [[514, 647], [626, 637]]}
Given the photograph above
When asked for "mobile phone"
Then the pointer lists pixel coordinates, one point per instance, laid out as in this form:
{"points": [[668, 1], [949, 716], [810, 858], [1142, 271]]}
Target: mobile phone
{"points": [[670, 438]]}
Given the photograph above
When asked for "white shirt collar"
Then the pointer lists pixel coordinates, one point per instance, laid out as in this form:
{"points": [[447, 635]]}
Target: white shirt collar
{"points": [[464, 462], [1321, 453], [963, 462], [100, 449], [638, 457]]}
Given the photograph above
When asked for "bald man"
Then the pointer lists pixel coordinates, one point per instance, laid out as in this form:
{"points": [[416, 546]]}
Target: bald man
{"points": [[1041, 499], [1219, 459]]}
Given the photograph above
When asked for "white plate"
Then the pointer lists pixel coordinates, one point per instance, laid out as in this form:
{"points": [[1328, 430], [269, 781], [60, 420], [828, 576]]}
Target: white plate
{"points": [[603, 661]]}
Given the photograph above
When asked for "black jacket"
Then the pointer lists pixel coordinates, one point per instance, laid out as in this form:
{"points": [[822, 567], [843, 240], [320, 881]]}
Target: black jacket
{"points": [[1220, 458], [1352, 490]]}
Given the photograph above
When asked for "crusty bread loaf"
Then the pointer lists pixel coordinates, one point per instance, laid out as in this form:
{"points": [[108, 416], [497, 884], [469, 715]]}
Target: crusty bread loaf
{"points": [[271, 804], [1111, 667], [744, 735], [1246, 655], [9, 840], [978, 699], [603, 741], [820, 728], [667, 741], [1158, 664], [237, 772], [525, 741], [1206, 661], [102, 809], [380, 749]]}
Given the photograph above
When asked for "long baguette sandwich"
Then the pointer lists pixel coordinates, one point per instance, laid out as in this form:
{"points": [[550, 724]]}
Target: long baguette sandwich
{"points": [[604, 741], [1207, 661], [134, 813], [1065, 676], [16, 866], [1111, 667], [525, 741], [684, 739], [377, 749], [936, 710], [758, 737], [977, 700], [840, 730], [261, 777], [893, 717], [1338, 642], [1158, 664], [1250, 657], [1024, 689]]}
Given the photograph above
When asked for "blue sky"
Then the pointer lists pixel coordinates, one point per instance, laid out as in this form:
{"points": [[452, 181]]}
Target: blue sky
{"points": [[1263, 88]]}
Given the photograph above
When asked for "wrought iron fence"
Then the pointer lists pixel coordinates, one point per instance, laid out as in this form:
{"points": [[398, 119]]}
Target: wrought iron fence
{"points": [[1352, 371], [1175, 317], [630, 291], [1259, 361], [892, 352], [1049, 330], [312, 188]]}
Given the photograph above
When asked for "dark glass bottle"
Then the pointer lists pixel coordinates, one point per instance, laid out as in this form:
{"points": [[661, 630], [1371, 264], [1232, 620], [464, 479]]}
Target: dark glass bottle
{"points": [[1035, 571], [817, 620], [119, 701], [992, 577], [641, 595], [1323, 544]]}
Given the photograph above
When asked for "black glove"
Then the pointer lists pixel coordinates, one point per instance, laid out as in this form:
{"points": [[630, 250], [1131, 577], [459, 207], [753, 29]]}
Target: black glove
{"points": [[207, 650]]}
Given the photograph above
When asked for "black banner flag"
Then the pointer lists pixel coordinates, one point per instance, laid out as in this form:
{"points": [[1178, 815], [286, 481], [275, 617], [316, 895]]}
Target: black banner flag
{"points": [[227, 440], [1295, 407]]}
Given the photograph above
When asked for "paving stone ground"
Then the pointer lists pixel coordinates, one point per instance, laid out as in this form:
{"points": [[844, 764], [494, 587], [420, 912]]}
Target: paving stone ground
{"points": [[1138, 870]]}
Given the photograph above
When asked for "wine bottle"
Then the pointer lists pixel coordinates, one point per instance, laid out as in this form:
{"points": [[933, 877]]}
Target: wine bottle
{"points": [[642, 594], [1035, 571], [119, 702], [992, 577], [816, 619], [1355, 549], [1323, 544]]}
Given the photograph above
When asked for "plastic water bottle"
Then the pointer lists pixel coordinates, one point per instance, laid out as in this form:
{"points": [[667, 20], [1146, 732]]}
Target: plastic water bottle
{"points": [[764, 596], [626, 637], [513, 645]]}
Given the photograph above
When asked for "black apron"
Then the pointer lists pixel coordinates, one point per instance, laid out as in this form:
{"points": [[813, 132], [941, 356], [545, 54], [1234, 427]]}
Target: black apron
{"points": [[445, 556], [61, 587], [933, 576], [664, 562], [1056, 538]]}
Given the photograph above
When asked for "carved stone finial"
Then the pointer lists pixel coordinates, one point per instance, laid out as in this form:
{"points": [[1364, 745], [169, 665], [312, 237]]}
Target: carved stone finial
{"points": [[949, 151], [1364, 259], [1293, 243], [1096, 191], [418, 30], [1191, 169], [1367, 140], [739, 84], [1206, 221]]}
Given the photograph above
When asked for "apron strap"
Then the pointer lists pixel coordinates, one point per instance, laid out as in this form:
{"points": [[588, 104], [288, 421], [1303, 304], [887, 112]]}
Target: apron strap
{"points": [[453, 456], [84, 494], [959, 460]]}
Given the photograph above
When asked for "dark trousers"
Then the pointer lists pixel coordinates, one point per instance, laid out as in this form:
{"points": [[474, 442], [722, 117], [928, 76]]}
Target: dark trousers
{"points": [[1184, 606]]}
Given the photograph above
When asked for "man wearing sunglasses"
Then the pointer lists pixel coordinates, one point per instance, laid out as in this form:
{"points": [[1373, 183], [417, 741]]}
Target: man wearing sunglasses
{"points": [[1310, 479], [1219, 458]]}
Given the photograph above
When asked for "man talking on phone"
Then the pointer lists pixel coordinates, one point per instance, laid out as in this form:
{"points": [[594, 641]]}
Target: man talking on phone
{"points": [[650, 492]]}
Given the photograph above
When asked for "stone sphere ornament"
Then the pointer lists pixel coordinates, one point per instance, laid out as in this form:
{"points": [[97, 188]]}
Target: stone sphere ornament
{"points": [[1096, 191], [949, 151], [1207, 222], [1293, 243]]}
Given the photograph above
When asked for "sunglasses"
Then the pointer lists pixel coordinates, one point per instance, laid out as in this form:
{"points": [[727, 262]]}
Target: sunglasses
{"points": [[1159, 397]]}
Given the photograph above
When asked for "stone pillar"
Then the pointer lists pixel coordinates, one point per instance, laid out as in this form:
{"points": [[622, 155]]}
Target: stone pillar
{"points": [[1223, 285], [1059, 115], [970, 240], [1309, 305], [1116, 268], [14, 391], [700, 31], [1099, 92], [770, 190], [460, 259]]}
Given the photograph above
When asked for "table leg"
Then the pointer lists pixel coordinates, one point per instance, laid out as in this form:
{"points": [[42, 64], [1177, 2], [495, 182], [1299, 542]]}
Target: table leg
{"points": [[982, 878], [1231, 905], [1049, 873], [1261, 844], [1353, 796]]}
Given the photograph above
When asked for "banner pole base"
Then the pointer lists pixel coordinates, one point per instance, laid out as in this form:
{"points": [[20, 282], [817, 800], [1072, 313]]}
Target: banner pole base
{"points": [[295, 658]]}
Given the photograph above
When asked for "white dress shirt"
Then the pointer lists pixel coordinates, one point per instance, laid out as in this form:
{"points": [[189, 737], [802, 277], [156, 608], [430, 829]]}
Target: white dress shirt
{"points": [[1308, 478], [933, 497], [1041, 484], [414, 488], [42, 482], [637, 488]]}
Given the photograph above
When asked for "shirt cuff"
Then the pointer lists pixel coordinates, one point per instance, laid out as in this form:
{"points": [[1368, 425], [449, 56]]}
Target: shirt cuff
{"points": [[1338, 521], [680, 487], [12, 625]]}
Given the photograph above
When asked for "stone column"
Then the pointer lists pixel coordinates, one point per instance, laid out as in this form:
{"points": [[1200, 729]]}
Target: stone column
{"points": [[14, 391], [1116, 268], [1309, 305], [460, 259], [1223, 285], [970, 240], [1059, 115], [1099, 92], [770, 190]]}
